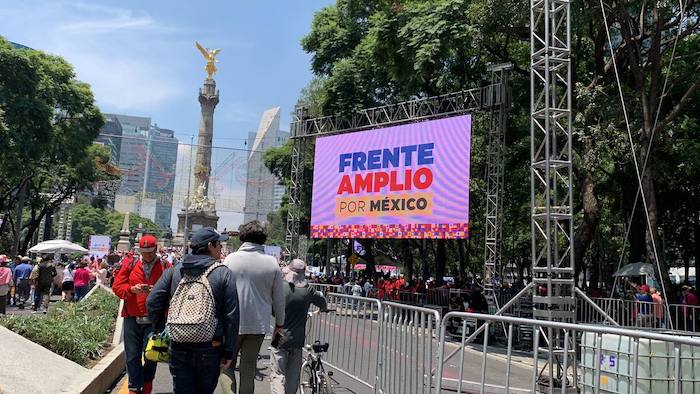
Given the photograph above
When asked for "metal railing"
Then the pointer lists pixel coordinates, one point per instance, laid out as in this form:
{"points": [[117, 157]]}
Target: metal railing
{"points": [[613, 360], [326, 289], [397, 348], [353, 333], [639, 314], [408, 348]]}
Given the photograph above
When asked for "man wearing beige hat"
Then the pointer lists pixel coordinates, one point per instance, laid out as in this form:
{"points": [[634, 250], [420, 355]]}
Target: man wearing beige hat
{"points": [[286, 358]]}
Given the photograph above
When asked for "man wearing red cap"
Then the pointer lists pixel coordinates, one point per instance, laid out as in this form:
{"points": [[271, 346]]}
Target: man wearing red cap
{"points": [[132, 284]]}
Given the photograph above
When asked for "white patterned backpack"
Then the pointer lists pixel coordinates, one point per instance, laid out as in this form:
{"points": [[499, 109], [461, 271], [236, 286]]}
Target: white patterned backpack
{"points": [[192, 312]]}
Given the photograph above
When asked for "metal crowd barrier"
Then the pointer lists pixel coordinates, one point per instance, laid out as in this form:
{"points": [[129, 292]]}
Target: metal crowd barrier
{"points": [[326, 289], [638, 314], [411, 298], [408, 348], [612, 360], [353, 333]]}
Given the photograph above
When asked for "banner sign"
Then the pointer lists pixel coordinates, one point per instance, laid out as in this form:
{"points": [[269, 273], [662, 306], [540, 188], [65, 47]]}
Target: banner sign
{"points": [[408, 181], [99, 245]]}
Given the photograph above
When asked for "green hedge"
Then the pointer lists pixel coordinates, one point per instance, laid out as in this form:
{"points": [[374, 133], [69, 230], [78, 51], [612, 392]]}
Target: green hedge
{"points": [[76, 331]]}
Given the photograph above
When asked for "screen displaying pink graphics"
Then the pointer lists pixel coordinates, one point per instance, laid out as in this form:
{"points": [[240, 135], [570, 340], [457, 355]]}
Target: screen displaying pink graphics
{"points": [[409, 181]]}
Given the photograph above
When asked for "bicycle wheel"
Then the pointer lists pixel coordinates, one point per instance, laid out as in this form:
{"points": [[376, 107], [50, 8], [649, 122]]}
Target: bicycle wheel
{"points": [[307, 382], [324, 385]]}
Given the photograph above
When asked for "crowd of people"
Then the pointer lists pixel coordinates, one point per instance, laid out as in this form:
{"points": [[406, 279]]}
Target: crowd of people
{"points": [[214, 312], [27, 282]]}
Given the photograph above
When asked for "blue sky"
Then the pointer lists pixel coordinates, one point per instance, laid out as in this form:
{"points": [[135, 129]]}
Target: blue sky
{"points": [[140, 58]]}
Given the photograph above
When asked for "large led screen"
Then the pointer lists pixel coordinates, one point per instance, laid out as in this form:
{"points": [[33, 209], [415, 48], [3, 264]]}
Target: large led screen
{"points": [[409, 181]]}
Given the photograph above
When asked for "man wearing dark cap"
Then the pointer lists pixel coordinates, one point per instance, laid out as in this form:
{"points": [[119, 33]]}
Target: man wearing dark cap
{"points": [[132, 284], [195, 365]]}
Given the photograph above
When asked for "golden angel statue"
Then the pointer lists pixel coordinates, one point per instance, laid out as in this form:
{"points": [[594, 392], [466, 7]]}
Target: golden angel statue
{"points": [[210, 57]]}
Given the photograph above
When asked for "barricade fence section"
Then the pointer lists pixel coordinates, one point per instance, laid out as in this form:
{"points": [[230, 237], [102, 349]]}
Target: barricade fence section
{"points": [[352, 331], [326, 289], [639, 314], [612, 360], [408, 348], [397, 348]]}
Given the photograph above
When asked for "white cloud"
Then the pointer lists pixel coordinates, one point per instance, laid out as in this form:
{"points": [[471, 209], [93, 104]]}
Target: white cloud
{"points": [[129, 58]]}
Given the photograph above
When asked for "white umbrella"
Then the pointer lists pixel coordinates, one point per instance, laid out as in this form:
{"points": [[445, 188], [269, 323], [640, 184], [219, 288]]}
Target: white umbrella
{"points": [[60, 246]]}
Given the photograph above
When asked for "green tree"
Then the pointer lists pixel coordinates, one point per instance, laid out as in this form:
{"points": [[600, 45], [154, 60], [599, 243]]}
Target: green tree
{"points": [[48, 124], [88, 220]]}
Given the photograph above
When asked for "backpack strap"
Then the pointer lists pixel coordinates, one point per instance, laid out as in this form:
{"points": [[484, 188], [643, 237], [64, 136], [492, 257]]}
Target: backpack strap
{"points": [[212, 268]]}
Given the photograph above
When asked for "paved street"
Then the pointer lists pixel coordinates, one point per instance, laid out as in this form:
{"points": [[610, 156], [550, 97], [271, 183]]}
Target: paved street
{"points": [[163, 382], [354, 347]]}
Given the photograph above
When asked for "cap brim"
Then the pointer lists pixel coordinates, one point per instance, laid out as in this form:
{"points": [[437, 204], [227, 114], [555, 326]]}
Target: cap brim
{"points": [[147, 250], [223, 237]]}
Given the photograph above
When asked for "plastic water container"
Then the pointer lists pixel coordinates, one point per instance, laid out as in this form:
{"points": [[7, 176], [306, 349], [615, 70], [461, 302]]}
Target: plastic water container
{"points": [[656, 369]]}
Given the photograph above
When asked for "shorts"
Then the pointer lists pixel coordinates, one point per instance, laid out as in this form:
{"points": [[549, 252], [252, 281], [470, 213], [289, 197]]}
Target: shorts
{"points": [[67, 285]]}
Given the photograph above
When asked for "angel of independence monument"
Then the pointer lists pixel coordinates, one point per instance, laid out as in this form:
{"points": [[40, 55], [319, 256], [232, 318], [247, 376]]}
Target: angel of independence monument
{"points": [[200, 209]]}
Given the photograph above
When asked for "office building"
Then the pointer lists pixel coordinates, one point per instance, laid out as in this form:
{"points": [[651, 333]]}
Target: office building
{"points": [[147, 156], [263, 192]]}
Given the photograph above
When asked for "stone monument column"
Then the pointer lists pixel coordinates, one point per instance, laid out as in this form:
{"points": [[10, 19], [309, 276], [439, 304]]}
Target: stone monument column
{"points": [[200, 210], [208, 99]]}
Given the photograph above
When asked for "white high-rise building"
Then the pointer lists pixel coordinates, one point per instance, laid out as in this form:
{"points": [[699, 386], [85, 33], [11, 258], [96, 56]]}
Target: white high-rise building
{"points": [[263, 192]]}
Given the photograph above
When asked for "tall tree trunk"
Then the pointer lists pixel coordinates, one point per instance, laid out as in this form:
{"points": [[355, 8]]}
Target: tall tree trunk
{"points": [[368, 246], [654, 246], [591, 218], [425, 270], [637, 232], [327, 260], [462, 267], [440, 260], [407, 251], [18, 219]]}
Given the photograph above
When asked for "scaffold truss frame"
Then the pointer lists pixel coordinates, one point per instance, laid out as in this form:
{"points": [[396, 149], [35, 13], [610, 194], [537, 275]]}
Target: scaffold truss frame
{"points": [[484, 98], [493, 225], [551, 183]]}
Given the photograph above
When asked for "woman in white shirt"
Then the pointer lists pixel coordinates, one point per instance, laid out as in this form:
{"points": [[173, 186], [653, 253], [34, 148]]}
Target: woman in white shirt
{"points": [[101, 275], [67, 283]]}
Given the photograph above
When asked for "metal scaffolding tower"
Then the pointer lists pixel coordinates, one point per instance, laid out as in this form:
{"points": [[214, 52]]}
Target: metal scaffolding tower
{"points": [[551, 184], [493, 225], [485, 98]]}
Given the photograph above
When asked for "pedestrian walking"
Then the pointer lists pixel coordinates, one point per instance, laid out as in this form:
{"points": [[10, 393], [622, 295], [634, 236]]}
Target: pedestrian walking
{"points": [[67, 285], [658, 307], [135, 280], [286, 358], [81, 281], [45, 272], [260, 288], [17, 260], [200, 299], [102, 275], [6, 281], [22, 273], [690, 302], [644, 311]]}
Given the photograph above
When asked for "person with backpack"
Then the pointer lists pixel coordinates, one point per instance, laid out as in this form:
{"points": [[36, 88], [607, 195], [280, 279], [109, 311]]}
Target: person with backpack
{"points": [[135, 280], [200, 298], [286, 358], [43, 280]]}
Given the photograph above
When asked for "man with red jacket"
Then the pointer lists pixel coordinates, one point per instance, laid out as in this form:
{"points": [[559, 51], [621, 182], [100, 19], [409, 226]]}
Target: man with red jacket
{"points": [[132, 284]]}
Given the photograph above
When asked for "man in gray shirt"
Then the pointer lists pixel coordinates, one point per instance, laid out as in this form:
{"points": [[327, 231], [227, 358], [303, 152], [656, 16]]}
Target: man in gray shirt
{"points": [[260, 286]]}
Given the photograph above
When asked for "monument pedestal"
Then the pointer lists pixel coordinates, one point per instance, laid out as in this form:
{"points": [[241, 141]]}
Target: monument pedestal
{"points": [[196, 219]]}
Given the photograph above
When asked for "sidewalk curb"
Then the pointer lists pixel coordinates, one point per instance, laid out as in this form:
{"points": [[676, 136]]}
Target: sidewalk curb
{"points": [[101, 376]]}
